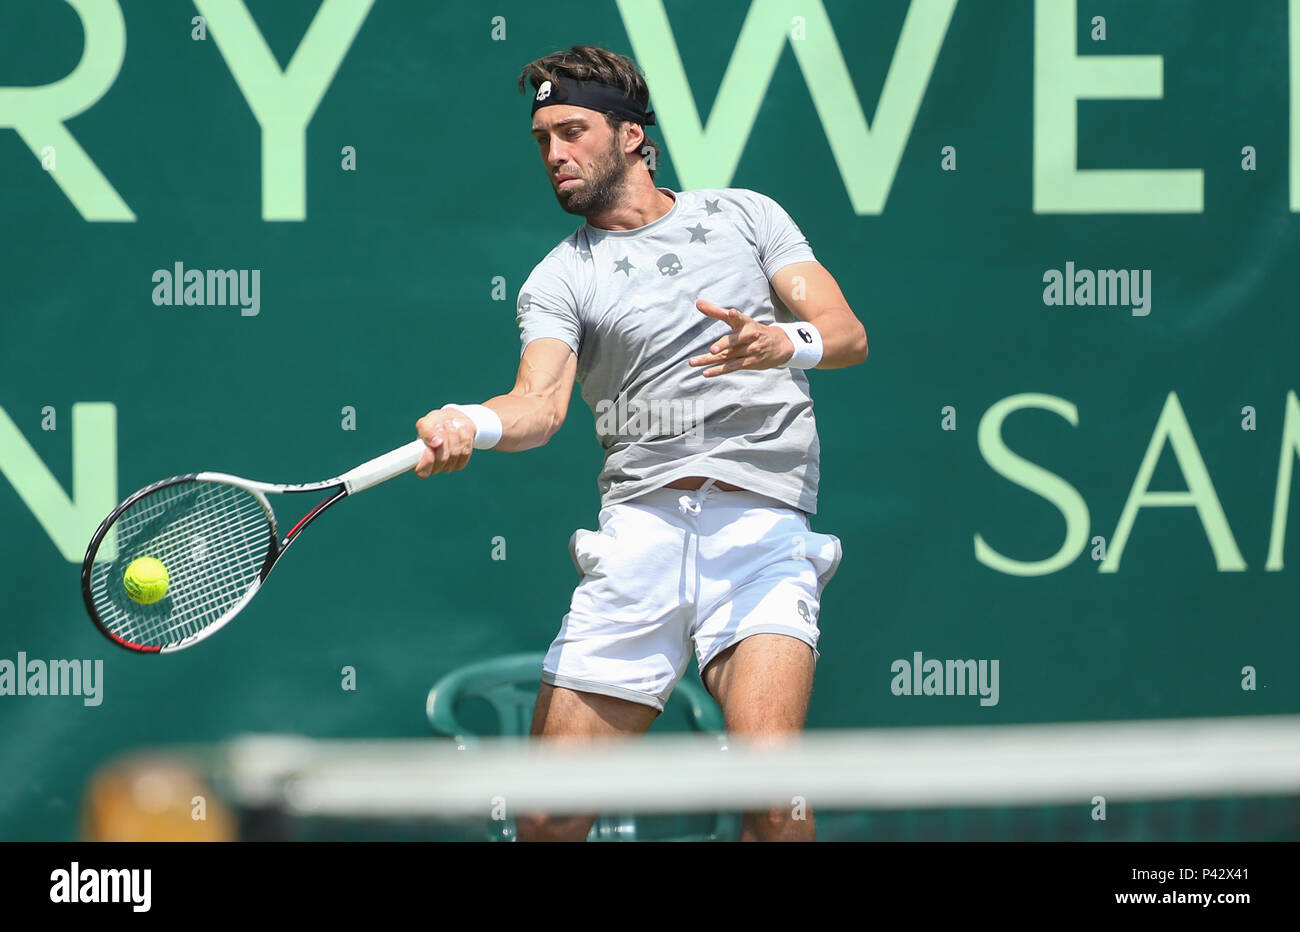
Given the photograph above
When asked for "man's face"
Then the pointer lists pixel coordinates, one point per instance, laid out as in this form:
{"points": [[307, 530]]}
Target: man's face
{"points": [[583, 158]]}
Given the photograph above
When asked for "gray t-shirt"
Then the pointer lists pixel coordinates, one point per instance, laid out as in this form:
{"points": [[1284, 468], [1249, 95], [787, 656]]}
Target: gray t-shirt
{"points": [[624, 301]]}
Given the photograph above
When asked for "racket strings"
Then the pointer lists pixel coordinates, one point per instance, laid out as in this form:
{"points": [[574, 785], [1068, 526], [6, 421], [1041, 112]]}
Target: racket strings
{"points": [[212, 538]]}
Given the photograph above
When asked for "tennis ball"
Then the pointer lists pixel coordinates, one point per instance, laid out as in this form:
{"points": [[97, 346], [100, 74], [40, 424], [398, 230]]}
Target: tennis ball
{"points": [[146, 580]]}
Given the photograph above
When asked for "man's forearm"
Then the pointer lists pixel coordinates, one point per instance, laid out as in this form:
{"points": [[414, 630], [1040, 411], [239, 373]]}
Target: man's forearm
{"points": [[844, 340], [527, 421]]}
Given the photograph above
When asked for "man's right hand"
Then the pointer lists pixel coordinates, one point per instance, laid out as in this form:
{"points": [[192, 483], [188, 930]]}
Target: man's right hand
{"points": [[449, 435]]}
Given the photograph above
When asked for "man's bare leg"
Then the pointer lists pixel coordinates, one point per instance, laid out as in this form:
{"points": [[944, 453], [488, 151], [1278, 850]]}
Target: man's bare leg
{"points": [[763, 685], [568, 716]]}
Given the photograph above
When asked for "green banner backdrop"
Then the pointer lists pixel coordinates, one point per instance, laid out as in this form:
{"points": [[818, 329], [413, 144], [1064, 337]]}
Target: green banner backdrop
{"points": [[1069, 231]]}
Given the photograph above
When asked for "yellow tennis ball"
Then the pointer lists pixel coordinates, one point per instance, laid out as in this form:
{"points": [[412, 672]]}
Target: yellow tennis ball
{"points": [[146, 580]]}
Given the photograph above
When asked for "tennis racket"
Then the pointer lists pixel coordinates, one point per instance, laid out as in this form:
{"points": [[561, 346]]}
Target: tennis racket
{"points": [[218, 539]]}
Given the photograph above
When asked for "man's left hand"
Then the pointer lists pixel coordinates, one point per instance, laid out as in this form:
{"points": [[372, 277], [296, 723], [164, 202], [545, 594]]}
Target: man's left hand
{"points": [[750, 345]]}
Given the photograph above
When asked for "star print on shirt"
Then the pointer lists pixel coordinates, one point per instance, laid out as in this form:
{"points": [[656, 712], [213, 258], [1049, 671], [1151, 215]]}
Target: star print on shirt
{"points": [[712, 208], [622, 265], [586, 254], [697, 233]]}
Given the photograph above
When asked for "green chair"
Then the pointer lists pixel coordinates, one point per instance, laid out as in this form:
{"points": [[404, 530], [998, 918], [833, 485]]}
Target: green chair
{"points": [[505, 688]]}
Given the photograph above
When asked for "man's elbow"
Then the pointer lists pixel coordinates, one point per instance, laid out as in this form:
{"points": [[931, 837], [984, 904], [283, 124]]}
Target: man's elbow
{"points": [[556, 422], [549, 418], [859, 345]]}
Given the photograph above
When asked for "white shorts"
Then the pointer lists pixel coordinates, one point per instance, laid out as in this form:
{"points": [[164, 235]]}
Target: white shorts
{"points": [[671, 568]]}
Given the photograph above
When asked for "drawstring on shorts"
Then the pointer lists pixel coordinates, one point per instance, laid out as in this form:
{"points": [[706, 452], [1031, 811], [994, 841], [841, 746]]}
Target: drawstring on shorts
{"points": [[693, 504]]}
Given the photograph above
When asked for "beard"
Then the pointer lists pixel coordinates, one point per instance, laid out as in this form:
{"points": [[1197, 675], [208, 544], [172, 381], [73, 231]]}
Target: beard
{"points": [[601, 187]]}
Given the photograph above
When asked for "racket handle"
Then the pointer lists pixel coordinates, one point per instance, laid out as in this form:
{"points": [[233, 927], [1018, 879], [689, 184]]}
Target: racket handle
{"points": [[382, 468]]}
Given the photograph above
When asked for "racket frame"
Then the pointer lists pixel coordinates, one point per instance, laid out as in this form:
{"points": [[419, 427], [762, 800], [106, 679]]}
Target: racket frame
{"points": [[371, 473]]}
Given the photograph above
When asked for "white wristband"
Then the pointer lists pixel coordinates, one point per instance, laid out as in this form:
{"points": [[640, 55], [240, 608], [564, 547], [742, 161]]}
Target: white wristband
{"points": [[807, 342], [487, 424]]}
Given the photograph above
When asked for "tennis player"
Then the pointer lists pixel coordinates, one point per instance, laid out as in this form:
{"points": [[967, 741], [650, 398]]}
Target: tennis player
{"points": [[690, 318]]}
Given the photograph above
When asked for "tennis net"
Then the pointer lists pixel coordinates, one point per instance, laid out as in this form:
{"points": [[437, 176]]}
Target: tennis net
{"points": [[1187, 779]]}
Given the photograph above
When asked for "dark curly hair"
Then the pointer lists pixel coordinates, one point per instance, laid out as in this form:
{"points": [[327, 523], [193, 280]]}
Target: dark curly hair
{"points": [[590, 63]]}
